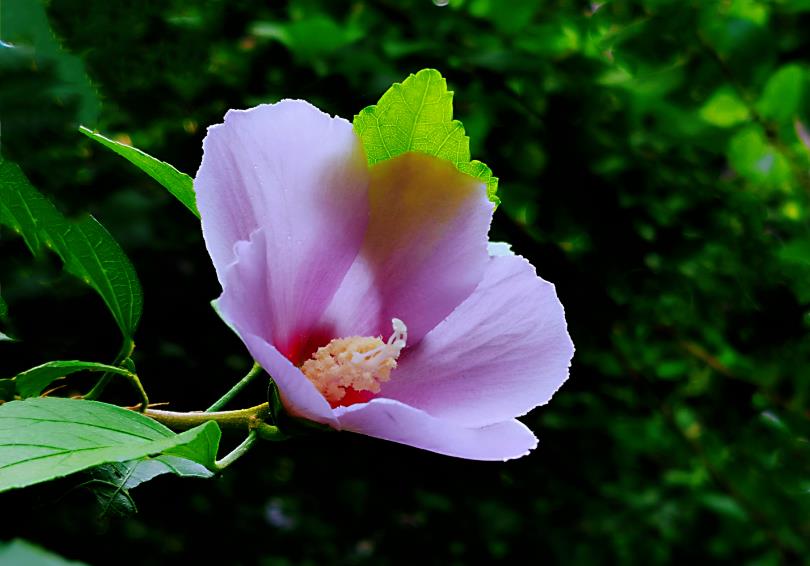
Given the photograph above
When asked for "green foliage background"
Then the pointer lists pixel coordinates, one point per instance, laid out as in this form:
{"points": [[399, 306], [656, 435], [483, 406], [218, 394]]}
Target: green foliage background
{"points": [[654, 163]]}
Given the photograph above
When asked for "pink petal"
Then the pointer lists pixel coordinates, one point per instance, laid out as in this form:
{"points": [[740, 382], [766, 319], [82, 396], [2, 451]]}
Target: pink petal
{"points": [[424, 252], [397, 422], [244, 304], [245, 300], [502, 352], [301, 177], [299, 396]]}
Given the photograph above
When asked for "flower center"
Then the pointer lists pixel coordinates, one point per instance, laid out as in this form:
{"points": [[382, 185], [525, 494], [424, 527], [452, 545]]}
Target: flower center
{"points": [[355, 364]]}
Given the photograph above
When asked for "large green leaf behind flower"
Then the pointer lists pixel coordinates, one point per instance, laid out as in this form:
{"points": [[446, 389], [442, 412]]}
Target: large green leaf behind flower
{"points": [[417, 115]]}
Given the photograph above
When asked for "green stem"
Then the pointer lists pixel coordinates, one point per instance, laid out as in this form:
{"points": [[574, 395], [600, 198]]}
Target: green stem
{"points": [[135, 381], [126, 351], [237, 452], [242, 418], [250, 419], [225, 399]]}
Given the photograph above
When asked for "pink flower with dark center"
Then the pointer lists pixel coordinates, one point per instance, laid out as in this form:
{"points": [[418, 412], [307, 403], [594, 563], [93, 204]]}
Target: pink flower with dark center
{"points": [[369, 293]]}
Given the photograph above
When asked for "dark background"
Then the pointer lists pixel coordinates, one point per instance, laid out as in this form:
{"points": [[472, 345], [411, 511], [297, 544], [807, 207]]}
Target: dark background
{"points": [[652, 167]]}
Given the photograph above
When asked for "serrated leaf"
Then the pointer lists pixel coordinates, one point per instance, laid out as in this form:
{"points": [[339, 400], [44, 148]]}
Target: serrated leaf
{"points": [[112, 482], [417, 115], [94, 256], [87, 250], [32, 382], [46, 438], [28, 213], [21, 552], [177, 183]]}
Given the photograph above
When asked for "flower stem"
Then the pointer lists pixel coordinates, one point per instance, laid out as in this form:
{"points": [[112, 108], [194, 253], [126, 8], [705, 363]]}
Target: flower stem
{"points": [[250, 419], [237, 452], [241, 418], [225, 399]]}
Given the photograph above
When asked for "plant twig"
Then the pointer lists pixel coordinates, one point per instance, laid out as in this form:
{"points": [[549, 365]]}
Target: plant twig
{"points": [[126, 351], [225, 399], [237, 452], [250, 419]]}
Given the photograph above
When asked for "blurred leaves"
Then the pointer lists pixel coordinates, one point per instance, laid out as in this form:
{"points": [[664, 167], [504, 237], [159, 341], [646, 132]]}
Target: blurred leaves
{"points": [[27, 33], [784, 94], [652, 166], [724, 109]]}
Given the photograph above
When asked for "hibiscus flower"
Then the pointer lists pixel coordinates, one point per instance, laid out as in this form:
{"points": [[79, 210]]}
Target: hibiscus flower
{"points": [[370, 294]]}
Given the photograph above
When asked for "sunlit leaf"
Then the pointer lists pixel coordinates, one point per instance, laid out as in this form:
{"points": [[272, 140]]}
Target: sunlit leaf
{"points": [[178, 184], [417, 115], [46, 438]]}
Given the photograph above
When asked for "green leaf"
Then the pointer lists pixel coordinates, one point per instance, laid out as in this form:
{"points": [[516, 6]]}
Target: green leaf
{"points": [[28, 213], [417, 115], [93, 255], [141, 471], [310, 38], [46, 438], [112, 482], [724, 108], [26, 26], [87, 250], [32, 382], [177, 183], [783, 94], [24, 553], [755, 158]]}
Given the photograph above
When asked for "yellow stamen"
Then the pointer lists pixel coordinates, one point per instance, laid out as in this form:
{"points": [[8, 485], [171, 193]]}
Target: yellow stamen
{"points": [[359, 362]]}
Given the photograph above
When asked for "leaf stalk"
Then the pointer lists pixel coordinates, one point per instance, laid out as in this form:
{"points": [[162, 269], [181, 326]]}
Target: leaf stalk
{"points": [[225, 399]]}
